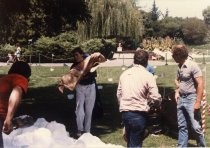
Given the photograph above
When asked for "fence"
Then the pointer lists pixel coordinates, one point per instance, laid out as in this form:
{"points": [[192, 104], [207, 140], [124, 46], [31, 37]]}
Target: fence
{"points": [[40, 58]]}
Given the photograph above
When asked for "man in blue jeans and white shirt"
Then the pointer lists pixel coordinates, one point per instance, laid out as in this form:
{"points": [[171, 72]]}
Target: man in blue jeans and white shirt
{"points": [[137, 88], [189, 93]]}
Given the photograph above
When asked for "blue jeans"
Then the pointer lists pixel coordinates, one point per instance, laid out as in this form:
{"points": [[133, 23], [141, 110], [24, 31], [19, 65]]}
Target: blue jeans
{"points": [[85, 100], [186, 119], [134, 123]]}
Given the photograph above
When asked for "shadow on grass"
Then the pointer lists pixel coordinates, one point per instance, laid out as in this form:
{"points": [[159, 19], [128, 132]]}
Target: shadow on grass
{"points": [[169, 115], [49, 103]]}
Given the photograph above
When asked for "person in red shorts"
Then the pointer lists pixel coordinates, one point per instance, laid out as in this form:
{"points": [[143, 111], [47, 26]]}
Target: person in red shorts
{"points": [[13, 87]]}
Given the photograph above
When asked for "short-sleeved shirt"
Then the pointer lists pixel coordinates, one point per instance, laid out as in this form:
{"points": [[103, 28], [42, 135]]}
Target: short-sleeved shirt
{"points": [[7, 83], [186, 75], [136, 88]]}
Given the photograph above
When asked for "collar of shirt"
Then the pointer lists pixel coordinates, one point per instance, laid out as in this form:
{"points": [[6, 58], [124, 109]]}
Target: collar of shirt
{"points": [[140, 66], [186, 64]]}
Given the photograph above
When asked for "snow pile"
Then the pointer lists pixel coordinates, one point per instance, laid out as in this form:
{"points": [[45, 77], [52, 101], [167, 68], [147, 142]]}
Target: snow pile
{"points": [[45, 134]]}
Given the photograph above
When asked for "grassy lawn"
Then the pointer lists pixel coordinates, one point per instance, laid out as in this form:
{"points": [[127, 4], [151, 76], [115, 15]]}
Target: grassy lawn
{"points": [[44, 100]]}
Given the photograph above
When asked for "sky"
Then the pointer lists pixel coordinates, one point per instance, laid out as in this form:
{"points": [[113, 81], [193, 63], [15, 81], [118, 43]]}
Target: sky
{"points": [[177, 8]]}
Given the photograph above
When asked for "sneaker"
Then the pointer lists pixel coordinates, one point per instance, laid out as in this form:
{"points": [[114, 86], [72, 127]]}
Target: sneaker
{"points": [[78, 134]]}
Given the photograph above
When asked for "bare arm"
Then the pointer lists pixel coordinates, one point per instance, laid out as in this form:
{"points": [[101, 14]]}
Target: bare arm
{"points": [[92, 61], [14, 100], [119, 92], [199, 81], [99, 57], [177, 89], [153, 95]]}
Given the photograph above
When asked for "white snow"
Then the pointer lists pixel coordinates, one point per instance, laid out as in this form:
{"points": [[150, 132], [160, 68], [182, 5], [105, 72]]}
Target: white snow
{"points": [[43, 134]]}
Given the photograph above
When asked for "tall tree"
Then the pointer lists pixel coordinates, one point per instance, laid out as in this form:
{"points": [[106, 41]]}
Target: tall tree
{"points": [[206, 15], [171, 27], [151, 23], [192, 35], [155, 13], [112, 18], [23, 19]]}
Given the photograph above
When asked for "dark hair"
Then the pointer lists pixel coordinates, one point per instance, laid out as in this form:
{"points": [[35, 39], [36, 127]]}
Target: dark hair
{"points": [[77, 49], [141, 57], [21, 68], [180, 51]]}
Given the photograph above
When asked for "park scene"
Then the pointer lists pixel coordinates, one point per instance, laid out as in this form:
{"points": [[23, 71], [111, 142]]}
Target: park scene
{"points": [[46, 33]]}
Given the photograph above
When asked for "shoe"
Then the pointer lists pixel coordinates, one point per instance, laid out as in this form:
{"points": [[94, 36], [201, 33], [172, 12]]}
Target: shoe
{"points": [[78, 134]]}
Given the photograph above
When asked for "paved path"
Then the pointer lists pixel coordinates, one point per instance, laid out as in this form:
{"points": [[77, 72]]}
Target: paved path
{"points": [[108, 63], [119, 60]]}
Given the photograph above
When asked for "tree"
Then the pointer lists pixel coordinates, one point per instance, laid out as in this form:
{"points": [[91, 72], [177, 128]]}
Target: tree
{"points": [[171, 27], [192, 35], [21, 20], [112, 18], [155, 13], [206, 15], [151, 23]]}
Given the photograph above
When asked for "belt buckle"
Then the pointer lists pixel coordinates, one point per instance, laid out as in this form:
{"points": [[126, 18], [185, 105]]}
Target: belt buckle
{"points": [[184, 94]]}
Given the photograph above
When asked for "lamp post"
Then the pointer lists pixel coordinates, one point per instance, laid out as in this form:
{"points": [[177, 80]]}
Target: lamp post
{"points": [[204, 61], [39, 59], [166, 58], [52, 57], [52, 69], [29, 43]]}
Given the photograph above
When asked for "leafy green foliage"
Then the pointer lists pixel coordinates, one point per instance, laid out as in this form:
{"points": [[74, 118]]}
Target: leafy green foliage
{"points": [[163, 44], [171, 27], [192, 35], [151, 23], [104, 46], [206, 15], [22, 20], [154, 13], [60, 47], [112, 18], [4, 50]]}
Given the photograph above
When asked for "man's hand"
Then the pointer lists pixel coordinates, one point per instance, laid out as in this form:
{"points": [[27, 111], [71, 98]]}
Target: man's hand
{"points": [[124, 134], [197, 105], [177, 96], [7, 127]]}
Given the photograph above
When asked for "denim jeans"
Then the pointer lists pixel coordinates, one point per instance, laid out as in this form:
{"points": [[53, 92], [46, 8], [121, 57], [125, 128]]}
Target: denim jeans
{"points": [[134, 123], [85, 100], [186, 116]]}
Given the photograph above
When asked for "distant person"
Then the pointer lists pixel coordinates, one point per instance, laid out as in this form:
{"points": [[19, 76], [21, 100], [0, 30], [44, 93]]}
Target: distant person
{"points": [[10, 58], [85, 91], [119, 48], [18, 52], [13, 87], [137, 90], [151, 69], [189, 93]]}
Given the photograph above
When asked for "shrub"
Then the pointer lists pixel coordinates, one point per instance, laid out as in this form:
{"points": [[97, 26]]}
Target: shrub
{"points": [[4, 50], [105, 46]]}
